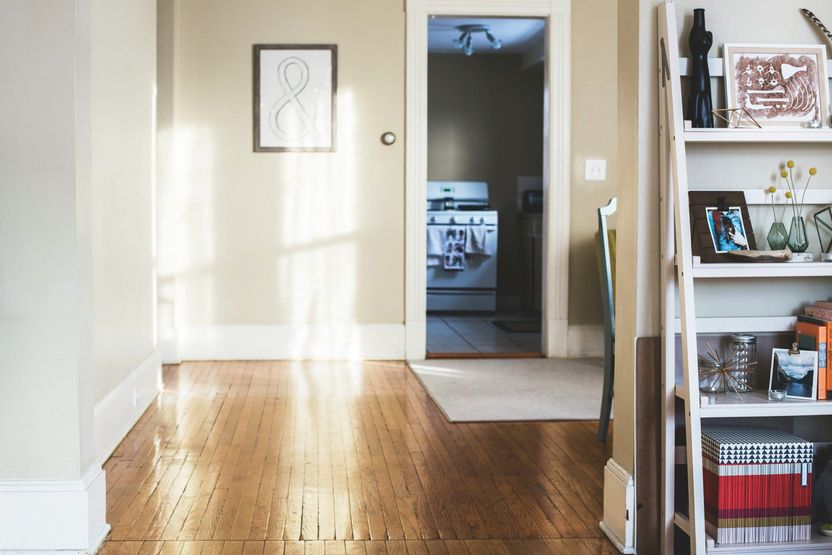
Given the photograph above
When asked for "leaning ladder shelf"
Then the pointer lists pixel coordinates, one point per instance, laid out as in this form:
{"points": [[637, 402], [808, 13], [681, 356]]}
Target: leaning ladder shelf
{"points": [[680, 272]]}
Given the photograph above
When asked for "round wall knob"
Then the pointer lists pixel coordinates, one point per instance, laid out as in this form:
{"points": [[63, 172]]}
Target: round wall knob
{"points": [[388, 138]]}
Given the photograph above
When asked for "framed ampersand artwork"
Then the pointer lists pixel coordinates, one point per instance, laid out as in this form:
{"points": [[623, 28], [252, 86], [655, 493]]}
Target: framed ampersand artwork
{"points": [[295, 92]]}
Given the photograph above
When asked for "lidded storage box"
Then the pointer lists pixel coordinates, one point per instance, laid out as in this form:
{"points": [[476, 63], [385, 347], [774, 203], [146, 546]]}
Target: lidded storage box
{"points": [[758, 485]]}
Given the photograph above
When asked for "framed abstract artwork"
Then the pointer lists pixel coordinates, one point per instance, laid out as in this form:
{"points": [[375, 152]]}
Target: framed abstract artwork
{"points": [[778, 85], [295, 97]]}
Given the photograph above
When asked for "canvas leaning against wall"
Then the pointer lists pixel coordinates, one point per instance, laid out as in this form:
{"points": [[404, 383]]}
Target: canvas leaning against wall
{"points": [[295, 90]]}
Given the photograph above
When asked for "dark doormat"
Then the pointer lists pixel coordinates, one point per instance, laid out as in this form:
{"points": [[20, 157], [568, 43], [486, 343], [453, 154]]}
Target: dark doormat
{"points": [[518, 326]]}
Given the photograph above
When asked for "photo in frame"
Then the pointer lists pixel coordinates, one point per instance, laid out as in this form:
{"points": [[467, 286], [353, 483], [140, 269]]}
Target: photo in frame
{"points": [[727, 229], [778, 85], [720, 223], [295, 97], [795, 372]]}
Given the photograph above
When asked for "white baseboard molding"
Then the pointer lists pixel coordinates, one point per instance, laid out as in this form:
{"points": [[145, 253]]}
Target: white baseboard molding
{"points": [[293, 342], [41, 516], [122, 407], [619, 507], [585, 341], [168, 347]]}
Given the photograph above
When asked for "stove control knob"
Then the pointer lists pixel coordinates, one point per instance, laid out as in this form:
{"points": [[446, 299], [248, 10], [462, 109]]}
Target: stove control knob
{"points": [[433, 219], [482, 220], [472, 219], [453, 220]]}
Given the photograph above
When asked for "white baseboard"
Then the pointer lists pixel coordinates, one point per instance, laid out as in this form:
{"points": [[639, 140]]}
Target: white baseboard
{"points": [[585, 341], [54, 515], [168, 347], [293, 342], [119, 411], [619, 507]]}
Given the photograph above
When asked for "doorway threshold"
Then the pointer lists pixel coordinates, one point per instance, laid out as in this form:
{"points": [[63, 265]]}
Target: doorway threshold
{"points": [[506, 355]]}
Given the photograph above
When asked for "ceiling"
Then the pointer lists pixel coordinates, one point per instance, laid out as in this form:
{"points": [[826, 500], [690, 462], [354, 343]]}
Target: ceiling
{"points": [[519, 36]]}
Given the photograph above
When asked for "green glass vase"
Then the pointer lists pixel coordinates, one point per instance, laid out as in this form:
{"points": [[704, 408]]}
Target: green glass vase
{"points": [[798, 241], [777, 236]]}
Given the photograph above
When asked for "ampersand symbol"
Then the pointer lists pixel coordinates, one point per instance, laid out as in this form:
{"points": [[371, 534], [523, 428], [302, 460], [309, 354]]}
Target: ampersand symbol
{"points": [[288, 118]]}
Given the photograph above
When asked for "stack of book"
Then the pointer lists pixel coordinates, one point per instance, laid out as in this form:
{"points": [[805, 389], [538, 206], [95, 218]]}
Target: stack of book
{"points": [[814, 333], [758, 485]]}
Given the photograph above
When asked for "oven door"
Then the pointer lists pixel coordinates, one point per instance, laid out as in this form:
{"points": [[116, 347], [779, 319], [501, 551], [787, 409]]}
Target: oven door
{"points": [[480, 271]]}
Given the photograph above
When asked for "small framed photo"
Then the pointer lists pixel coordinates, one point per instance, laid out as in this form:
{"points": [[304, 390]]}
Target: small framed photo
{"points": [[727, 229], [720, 224], [295, 91], [795, 372], [778, 85]]}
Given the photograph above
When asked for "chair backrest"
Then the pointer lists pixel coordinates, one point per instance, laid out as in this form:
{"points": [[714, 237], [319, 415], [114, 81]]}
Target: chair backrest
{"points": [[606, 264]]}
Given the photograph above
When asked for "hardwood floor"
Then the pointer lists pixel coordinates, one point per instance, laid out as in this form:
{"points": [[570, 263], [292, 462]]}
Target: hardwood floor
{"points": [[343, 457]]}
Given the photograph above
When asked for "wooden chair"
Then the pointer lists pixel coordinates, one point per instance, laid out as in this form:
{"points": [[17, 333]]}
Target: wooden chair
{"points": [[606, 265]]}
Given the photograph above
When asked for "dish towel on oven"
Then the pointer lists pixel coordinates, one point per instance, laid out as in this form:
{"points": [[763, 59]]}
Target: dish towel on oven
{"points": [[476, 241], [436, 244], [454, 252]]}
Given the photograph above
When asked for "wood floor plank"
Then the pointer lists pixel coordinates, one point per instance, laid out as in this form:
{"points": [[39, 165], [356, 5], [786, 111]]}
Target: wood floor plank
{"points": [[280, 457]]}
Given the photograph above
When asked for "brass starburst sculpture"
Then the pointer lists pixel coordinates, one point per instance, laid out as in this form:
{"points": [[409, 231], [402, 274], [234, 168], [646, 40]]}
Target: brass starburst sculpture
{"points": [[717, 373]]}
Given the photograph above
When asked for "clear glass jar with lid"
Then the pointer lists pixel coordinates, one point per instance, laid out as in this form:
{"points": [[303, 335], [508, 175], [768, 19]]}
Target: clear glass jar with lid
{"points": [[742, 356]]}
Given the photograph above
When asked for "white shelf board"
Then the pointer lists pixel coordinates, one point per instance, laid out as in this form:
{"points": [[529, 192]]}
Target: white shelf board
{"points": [[716, 67], [813, 197], [755, 404], [768, 135], [818, 544], [750, 324], [744, 270]]}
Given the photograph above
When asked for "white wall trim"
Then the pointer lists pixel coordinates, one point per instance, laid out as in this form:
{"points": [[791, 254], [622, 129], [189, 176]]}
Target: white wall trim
{"points": [[557, 161], [168, 347], [619, 507], [54, 515], [586, 341], [121, 408], [293, 342]]}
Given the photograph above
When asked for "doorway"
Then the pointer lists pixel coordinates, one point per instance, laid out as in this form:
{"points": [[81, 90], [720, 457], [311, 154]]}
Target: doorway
{"points": [[485, 187], [556, 174]]}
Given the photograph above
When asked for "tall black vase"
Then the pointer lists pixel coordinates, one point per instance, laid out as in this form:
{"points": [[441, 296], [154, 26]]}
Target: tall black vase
{"points": [[699, 101]]}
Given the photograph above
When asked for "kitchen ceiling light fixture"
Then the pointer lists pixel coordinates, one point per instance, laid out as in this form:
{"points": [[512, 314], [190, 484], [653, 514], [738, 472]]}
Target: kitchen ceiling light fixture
{"points": [[465, 41]]}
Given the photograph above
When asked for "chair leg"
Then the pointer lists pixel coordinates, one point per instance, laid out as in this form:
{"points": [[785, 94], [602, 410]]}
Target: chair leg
{"points": [[606, 400]]}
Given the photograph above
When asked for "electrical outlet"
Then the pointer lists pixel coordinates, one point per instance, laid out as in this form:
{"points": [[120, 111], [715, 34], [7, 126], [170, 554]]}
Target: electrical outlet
{"points": [[596, 170]]}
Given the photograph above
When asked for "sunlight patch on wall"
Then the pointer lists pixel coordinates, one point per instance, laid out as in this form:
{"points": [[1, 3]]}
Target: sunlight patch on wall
{"points": [[317, 263]]}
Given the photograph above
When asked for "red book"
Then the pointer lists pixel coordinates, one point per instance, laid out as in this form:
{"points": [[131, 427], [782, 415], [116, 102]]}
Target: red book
{"points": [[812, 336]]}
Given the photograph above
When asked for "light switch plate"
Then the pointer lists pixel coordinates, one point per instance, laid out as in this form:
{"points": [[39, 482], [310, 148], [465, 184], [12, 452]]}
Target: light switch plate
{"points": [[596, 170]]}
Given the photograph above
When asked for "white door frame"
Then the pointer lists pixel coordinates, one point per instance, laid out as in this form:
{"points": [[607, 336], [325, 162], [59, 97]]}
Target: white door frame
{"points": [[556, 162]]}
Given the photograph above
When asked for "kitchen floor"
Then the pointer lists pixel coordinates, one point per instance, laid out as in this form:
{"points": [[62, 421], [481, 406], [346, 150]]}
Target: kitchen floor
{"points": [[471, 334]]}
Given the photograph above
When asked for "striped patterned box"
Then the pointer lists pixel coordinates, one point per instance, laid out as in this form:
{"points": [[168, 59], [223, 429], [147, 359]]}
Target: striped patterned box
{"points": [[758, 485]]}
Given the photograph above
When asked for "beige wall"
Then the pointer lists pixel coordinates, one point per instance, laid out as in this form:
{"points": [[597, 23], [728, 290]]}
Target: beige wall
{"points": [[267, 238], [272, 239], [485, 123], [594, 135], [123, 79]]}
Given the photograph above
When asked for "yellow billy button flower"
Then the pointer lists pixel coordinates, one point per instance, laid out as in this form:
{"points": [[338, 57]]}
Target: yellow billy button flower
{"points": [[788, 194], [784, 173], [813, 171], [772, 189], [790, 164]]}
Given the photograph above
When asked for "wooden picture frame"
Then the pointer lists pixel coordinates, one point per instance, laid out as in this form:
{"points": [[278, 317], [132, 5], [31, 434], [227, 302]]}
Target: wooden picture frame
{"points": [[779, 85], [702, 240], [295, 90]]}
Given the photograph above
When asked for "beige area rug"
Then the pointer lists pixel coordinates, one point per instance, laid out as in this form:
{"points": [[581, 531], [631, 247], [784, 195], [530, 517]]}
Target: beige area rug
{"points": [[477, 390]]}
